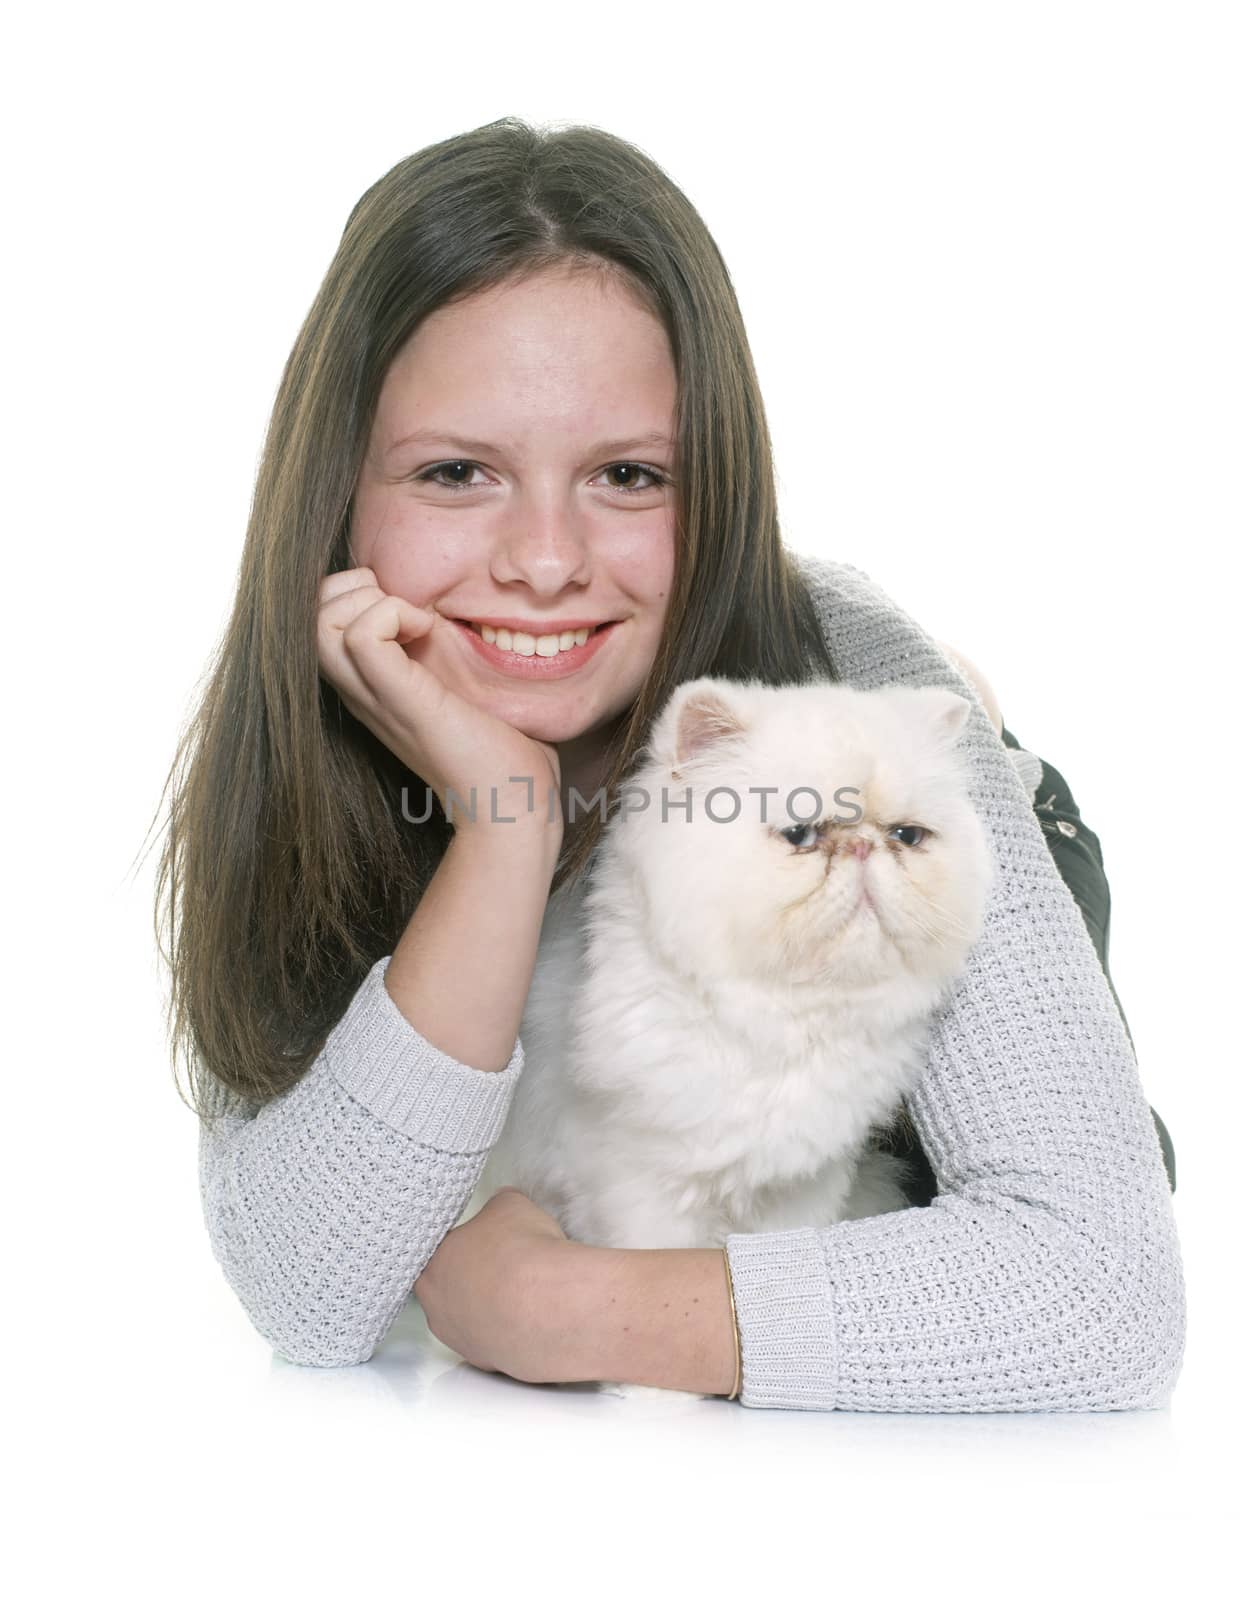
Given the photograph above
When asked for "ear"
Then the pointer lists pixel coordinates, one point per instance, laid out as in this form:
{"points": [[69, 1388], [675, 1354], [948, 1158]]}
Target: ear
{"points": [[700, 714], [947, 712]]}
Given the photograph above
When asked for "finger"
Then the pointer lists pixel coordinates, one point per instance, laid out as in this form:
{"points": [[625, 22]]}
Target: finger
{"points": [[373, 695], [338, 610], [394, 678], [336, 583], [412, 622], [334, 615]]}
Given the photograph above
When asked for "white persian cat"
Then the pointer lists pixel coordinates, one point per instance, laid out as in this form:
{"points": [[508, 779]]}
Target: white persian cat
{"points": [[724, 1011]]}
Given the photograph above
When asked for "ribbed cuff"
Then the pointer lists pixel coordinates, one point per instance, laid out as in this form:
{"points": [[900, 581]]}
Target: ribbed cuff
{"points": [[411, 1084], [1028, 766], [784, 1310]]}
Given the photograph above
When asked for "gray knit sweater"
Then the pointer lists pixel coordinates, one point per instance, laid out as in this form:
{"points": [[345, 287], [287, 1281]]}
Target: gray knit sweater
{"points": [[1045, 1276]]}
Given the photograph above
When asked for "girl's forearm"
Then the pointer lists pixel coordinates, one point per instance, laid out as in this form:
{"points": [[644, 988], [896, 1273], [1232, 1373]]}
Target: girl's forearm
{"points": [[656, 1317], [461, 970]]}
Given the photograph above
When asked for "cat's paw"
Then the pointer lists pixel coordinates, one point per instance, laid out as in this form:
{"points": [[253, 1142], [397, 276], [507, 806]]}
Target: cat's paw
{"points": [[646, 1395]]}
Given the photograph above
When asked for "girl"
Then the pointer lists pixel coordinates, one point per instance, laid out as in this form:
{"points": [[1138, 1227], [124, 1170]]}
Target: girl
{"points": [[517, 486]]}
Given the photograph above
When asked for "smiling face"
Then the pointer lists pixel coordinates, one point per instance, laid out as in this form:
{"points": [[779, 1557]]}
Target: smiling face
{"points": [[511, 476]]}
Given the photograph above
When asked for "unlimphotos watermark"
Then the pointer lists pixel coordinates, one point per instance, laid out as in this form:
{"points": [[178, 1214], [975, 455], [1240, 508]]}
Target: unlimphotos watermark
{"points": [[633, 799]]}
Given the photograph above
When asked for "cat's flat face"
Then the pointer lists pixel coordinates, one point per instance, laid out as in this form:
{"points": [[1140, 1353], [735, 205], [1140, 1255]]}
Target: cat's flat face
{"points": [[850, 849]]}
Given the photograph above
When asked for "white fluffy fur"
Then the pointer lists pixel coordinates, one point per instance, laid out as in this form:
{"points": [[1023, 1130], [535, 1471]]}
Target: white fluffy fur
{"points": [[716, 1023]]}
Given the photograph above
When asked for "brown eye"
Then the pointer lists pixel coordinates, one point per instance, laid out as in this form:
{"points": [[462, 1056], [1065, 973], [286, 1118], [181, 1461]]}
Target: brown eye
{"points": [[435, 475], [918, 834], [646, 477]]}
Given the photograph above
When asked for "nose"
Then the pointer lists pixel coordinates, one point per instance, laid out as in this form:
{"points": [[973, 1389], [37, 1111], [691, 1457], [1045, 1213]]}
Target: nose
{"points": [[858, 846], [543, 547]]}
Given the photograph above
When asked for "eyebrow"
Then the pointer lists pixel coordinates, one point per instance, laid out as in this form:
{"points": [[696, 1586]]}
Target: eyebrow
{"points": [[607, 447]]}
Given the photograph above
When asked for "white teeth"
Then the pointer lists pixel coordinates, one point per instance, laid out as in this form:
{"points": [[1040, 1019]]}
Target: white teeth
{"points": [[528, 644]]}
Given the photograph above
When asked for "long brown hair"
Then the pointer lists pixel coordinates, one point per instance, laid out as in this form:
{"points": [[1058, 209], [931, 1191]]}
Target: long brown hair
{"points": [[288, 867]]}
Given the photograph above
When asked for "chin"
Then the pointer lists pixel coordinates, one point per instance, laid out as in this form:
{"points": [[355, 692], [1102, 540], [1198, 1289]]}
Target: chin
{"points": [[553, 727], [562, 724]]}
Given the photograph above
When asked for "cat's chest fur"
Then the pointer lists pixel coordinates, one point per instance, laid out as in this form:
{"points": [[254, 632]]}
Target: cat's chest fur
{"points": [[692, 1110], [772, 1078]]}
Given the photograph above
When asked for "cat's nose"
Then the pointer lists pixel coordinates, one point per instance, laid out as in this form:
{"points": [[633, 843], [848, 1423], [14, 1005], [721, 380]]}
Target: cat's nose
{"points": [[858, 847]]}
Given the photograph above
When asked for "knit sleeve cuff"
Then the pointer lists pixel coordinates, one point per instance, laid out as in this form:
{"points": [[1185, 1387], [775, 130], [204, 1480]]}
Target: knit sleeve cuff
{"points": [[411, 1084], [1028, 766], [785, 1316]]}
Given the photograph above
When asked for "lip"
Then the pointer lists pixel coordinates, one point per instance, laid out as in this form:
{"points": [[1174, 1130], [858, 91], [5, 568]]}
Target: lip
{"points": [[539, 626], [507, 664]]}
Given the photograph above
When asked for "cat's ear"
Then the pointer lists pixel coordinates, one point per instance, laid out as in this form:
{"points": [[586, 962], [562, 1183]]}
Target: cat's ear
{"points": [[705, 718], [700, 714], [947, 711]]}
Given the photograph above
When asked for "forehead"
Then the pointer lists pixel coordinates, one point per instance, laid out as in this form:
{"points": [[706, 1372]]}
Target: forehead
{"points": [[561, 350]]}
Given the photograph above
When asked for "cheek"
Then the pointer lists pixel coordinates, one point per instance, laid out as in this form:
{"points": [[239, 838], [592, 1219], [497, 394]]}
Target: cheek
{"points": [[409, 554], [641, 558]]}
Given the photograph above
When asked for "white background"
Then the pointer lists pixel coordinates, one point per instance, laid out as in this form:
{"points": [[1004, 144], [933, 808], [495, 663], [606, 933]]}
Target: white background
{"points": [[996, 265]]}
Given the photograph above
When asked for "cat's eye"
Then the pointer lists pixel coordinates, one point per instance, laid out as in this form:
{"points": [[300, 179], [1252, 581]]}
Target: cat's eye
{"points": [[801, 835], [919, 834]]}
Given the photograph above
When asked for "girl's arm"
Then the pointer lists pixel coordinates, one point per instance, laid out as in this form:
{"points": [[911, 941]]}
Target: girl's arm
{"points": [[1077, 853], [325, 1205]]}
